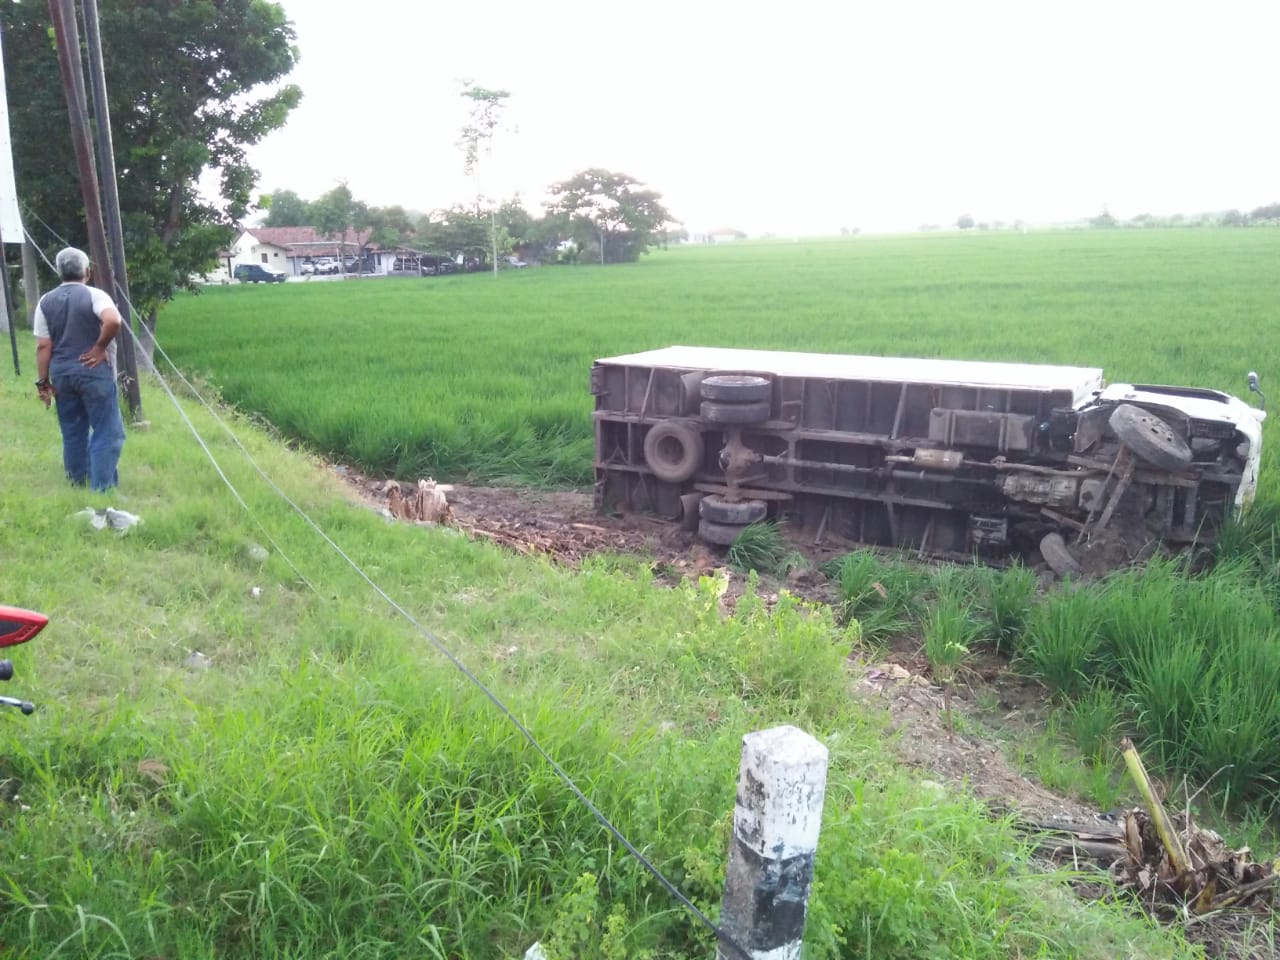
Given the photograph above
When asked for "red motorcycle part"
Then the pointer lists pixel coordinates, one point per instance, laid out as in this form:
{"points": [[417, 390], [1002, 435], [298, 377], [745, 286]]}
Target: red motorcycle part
{"points": [[19, 626]]}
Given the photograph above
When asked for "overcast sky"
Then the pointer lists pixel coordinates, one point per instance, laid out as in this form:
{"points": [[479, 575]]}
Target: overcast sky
{"points": [[798, 117]]}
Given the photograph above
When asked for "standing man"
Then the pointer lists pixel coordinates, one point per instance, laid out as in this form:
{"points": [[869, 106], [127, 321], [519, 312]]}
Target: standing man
{"points": [[75, 328]]}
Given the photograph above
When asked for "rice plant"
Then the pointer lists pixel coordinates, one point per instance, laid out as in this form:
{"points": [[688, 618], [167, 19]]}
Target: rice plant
{"points": [[1063, 640], [880, 595], [1006, 598], [470, 377], [1093, 720], [950, 631]]}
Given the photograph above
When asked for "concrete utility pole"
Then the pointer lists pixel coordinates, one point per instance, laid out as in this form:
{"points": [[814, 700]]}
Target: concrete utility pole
{"points": [[110, 195], [67, 38], [30, 280], [6, 319]]}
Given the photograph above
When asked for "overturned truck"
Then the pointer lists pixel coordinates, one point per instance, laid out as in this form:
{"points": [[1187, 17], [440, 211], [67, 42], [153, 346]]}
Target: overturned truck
{"points": [[945, 457]]}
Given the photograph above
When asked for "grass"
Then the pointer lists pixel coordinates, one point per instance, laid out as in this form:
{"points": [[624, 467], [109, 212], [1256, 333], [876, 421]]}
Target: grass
{"points": [[328, 787], [950, 631], [761, 548], [881, 596], [468, 376]]}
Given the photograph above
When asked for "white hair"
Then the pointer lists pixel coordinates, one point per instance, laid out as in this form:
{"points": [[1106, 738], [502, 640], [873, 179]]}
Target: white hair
{"points": [[72, 264]]}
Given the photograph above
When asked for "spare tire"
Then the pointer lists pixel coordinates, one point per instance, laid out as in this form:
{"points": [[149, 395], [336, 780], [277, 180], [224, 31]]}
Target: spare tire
{"points": [[717, 509], [756, 411], [734, 388], [673, 451], [721, 534], [1150, 437]]}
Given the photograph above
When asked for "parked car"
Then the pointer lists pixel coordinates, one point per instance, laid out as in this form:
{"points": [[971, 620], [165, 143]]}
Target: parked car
{"points": [[327, 265], [252, 273]]}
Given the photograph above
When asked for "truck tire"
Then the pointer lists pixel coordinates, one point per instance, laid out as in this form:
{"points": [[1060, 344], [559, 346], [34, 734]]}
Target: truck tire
{"points": [[719, 510], [1150, 437], [732, 388], [673, 451], [689, 511], [721, 534], [1054, 550], [737, 414]]}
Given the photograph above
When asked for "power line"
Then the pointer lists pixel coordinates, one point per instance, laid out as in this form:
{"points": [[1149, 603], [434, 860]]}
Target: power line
{"points": [[57, 236]]}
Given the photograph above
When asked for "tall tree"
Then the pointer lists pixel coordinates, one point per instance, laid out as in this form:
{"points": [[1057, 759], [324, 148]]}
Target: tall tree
{"points": [[615, 211], [389, 227], [188, 92], [337, 214], [485, 108], [457, 231], [286, 209]]}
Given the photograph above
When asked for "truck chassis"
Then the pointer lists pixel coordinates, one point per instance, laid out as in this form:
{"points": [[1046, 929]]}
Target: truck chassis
{"points": [[944, 457]]}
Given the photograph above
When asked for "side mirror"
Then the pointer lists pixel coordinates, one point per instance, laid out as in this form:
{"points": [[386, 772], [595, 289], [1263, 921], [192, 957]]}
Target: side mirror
{"points": [[1253, 388]]}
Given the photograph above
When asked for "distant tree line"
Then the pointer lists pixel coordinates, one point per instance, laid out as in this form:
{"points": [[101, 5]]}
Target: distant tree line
{"points": [[595, 216], [1264, 216]]}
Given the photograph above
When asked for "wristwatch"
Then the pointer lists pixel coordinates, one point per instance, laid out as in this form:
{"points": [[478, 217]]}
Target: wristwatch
{"points": [[42, 382]]}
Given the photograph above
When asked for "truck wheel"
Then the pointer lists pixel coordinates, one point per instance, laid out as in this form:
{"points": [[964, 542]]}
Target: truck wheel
{"points": [[736, 389], [1150, 437], [673, 451], [719, 510], [1054, 550], [756, 411], [689, 511], [721, 534]]}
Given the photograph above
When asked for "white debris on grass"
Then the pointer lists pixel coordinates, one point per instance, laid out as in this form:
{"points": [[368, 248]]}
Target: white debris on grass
{"points": [[119, 520]]}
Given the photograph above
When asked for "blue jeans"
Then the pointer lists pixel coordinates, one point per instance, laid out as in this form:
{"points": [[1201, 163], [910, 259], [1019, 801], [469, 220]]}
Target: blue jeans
{"points": [[92, 428]]}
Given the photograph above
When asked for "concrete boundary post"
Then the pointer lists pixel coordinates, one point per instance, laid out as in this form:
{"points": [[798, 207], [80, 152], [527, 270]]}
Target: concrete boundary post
{"points": [[782, 782]]}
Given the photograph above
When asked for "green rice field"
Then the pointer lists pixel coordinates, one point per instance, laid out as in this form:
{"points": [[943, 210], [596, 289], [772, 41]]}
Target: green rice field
{"points": [[468, 377]]}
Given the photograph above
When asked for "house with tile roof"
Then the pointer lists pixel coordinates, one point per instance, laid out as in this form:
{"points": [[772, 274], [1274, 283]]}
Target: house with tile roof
{"points": [[287, 249]]}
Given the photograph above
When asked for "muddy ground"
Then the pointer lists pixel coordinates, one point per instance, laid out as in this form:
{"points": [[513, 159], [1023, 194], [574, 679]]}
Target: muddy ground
{"points": [[994, 706]]}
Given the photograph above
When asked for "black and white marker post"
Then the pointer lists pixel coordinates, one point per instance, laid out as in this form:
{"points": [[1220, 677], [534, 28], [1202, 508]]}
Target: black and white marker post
{"points": [[782, 781]]}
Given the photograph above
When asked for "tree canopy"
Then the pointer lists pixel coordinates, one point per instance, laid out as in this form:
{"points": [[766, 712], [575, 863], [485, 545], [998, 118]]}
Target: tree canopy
{"points": [[187, 94], [613, 211], [286, 209]]}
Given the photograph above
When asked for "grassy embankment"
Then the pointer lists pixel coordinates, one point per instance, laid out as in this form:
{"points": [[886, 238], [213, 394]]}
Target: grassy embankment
{"points": [[328, 787]]}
